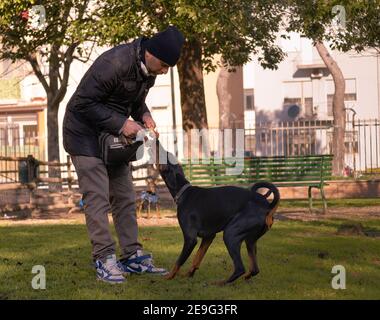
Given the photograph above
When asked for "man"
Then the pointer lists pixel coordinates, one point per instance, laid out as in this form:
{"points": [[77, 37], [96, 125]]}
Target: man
{"points": [[113, 89]]}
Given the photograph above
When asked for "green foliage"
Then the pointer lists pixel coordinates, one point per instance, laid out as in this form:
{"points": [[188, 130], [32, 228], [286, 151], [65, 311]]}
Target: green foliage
{"points": [[362, 26], [48, 33], [346, 24], [66, 22], [234, 29]]}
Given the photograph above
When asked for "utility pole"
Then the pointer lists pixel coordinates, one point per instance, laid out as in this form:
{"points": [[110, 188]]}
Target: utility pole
{"points": [[173, 112]]}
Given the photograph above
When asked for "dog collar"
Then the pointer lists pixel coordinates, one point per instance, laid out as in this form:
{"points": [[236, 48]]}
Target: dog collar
{"points": [[181, 191]]}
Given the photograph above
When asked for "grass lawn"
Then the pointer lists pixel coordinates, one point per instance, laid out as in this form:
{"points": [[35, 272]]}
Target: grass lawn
{"points": [[296, 259]]}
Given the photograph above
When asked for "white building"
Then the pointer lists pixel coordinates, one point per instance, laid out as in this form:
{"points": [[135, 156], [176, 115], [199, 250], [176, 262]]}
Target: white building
{"points": [[302, 78]]}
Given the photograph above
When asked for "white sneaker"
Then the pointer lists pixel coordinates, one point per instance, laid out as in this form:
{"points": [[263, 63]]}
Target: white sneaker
{"points": [[109, 271]]}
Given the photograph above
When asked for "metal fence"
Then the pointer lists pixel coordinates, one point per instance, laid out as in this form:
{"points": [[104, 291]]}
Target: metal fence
{"points": [[16, 144], [362, 143], [365, 146], [293, 138]]}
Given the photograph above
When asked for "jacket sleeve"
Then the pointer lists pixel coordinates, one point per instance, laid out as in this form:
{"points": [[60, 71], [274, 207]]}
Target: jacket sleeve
{"points": [[138, 112], [141, 108], [96, 86]]}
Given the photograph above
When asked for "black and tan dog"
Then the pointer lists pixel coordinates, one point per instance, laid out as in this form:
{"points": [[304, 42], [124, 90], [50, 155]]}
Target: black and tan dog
{"points": [[243, 215]]}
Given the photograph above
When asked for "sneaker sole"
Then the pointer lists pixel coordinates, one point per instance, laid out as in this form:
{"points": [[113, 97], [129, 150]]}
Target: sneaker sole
{"points": [[111, 282], [158, 273]]}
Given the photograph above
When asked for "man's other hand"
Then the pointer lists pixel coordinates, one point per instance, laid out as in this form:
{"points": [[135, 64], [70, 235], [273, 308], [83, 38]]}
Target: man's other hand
{"points": [[131, 128], [148, 121]]}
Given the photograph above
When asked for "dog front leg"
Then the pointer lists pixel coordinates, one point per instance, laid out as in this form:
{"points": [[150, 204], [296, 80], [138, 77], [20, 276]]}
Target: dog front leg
{"points": [[188, 247], [206, 242]]}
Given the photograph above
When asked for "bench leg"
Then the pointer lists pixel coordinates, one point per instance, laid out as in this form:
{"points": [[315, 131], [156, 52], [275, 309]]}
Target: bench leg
{"points": [[323, 200], [310, 200]]}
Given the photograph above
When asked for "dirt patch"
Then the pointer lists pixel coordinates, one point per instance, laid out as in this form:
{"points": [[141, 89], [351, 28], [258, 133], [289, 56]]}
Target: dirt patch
{"points": [[169, 217], [351, 213]]}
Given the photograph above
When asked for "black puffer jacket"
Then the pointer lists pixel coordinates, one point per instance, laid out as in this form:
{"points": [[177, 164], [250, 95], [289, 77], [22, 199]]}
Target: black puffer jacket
{"points": [[112, 89]]}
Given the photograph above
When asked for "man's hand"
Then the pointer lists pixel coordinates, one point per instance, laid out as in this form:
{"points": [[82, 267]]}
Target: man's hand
{"points": [[149, 123], [131, 128]]}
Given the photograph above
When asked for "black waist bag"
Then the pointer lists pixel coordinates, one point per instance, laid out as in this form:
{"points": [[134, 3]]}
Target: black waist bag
{"points": [[116, 150]]}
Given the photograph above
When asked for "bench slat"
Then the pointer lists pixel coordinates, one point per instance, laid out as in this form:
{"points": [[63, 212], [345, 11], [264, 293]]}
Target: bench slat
{"points": [[301, 169]]}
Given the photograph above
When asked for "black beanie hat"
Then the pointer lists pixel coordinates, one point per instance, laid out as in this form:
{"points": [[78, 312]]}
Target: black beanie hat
{"points": [[166, 45]]}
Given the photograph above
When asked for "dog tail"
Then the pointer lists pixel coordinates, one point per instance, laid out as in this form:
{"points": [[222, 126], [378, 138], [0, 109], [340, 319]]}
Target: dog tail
{"points": [[276, 199], [271, 189]]}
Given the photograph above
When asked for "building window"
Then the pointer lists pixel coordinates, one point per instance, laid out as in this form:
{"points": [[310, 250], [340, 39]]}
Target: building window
{"points": [[348, 97], [9, 135], [30, 134], [249, 103], [19, 129], [309, 112], [289, 101], [305, 104]]}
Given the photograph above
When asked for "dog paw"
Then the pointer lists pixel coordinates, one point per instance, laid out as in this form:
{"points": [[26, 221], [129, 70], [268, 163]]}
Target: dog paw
{"points": [[219, 283], [249, 275], [169, 276], [190, 273]]}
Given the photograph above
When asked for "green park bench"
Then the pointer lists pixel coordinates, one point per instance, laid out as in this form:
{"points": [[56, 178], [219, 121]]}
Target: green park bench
{"points": [[311, 171]]}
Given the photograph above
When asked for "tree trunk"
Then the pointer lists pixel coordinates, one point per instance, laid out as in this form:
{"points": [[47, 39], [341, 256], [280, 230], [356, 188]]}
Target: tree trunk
{"points": [[225, 98], [55, 90], [230, 92], [193, 102], [53, 144], [339, 112]]}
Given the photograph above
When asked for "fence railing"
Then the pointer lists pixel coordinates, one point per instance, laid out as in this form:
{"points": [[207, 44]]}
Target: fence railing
{"points": [[293, 138], [307, 137], [362, 141], [29, 170], [366, 146], [32, 173]]}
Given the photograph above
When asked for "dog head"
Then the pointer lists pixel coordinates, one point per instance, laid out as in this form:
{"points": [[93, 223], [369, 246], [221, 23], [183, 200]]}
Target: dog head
{"points": [[170, 170]]}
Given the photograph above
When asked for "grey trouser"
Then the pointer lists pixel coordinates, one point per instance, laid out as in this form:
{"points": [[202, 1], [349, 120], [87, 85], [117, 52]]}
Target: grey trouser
{"points": [[108, 189]]}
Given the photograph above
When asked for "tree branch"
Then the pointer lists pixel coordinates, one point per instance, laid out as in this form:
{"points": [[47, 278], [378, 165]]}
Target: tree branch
{"points": [[32, 59], [68, 58]]}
